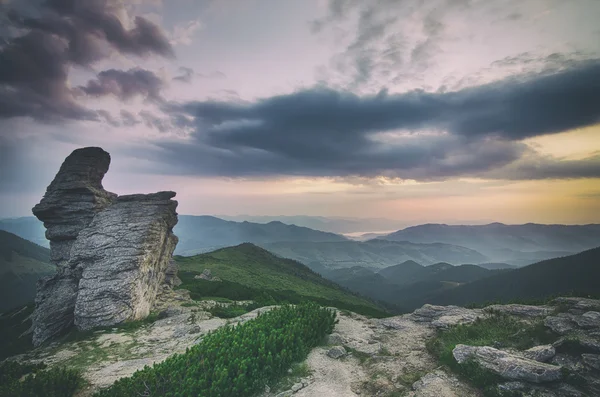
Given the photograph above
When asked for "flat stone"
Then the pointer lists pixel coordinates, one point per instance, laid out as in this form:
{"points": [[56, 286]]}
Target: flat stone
{"points": [[506, 365], [520, 310], [588, 320], [542, 353], [561, 324], [581, 304], [445, 316]]}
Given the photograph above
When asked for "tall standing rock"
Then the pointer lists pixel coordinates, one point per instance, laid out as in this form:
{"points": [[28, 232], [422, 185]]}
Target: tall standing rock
{"points": [[111, 252], [73, 198]]}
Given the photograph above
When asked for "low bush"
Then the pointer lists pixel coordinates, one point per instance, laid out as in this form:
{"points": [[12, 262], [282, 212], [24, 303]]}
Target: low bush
{"points": [[19, 380], [234, 361]]}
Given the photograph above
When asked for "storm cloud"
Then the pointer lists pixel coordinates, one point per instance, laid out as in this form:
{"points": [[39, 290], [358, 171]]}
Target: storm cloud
{"points": [[417, 135], [43, 41], [125, 84]]}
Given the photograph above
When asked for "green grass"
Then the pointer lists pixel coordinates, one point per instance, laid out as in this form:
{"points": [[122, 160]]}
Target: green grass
{"points": [[13, 324], [252, 273], [494, 329]]}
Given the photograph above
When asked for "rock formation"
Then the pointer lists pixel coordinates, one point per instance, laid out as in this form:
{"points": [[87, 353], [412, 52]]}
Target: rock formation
{"points": [[111, 252]]}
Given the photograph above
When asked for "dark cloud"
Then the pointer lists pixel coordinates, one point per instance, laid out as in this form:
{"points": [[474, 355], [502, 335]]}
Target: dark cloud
{"points": [[125, 84], [44, 41], [186, 76], [329, 133]]}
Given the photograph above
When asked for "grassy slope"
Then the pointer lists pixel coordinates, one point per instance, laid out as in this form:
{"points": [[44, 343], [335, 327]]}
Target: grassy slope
{"points": [[249, 270], [22, 263], [575, 274]]}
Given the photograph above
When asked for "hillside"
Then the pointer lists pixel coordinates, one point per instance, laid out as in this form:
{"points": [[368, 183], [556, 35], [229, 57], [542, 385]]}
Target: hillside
{"points": [[571, 274], [250, 272], [407, 285], [513, 244], [22, 263], [199, 234], [375, 254], [27, 227]]}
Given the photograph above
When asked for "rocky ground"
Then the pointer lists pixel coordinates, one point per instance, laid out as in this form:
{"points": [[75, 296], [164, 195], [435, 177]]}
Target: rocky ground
{"points": [[366, 357]]}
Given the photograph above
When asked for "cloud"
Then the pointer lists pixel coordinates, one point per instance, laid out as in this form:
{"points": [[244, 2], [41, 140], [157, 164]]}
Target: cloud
{"points": [[43, 42], [183, 33], [415, 135], [186, 76], [128, 119], [125, 84], [106, 116]]}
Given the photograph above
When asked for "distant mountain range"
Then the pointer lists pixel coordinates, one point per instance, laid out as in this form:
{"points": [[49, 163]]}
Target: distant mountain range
{"points": [[22, 263], [375, 254], [339, 225], [514, 244], [199, 234], [484, 245], [408, 282], [409, 285]]}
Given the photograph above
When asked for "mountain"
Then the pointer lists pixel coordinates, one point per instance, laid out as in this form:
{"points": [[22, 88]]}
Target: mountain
{"points": [[578, 274], [496, 265], [247, 271], [22, 263], [407, 285], [199, 234], [512, 244], [375, 254], [402, 273], [329, 224]]}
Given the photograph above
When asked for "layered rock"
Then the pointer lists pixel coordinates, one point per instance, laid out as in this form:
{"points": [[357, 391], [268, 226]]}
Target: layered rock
{"points": [[112, 253], [73, 198], [506, 365]]}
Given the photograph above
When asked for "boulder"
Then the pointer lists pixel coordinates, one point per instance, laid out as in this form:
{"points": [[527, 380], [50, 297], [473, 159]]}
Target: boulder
{"points": [[336, 352], [112, 253], [506, 365]]}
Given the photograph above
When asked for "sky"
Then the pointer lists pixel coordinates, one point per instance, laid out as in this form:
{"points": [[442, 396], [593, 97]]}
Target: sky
{"points": [[420, 111]]}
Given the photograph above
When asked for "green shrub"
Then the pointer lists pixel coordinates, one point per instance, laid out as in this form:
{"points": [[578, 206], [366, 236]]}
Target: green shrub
{"points": [[234, 361], [496, 329], [55, 382]]}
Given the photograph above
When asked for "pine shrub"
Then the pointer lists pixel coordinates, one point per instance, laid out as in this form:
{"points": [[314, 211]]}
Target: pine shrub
{"points": [[234, 360], [55, 382]]}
